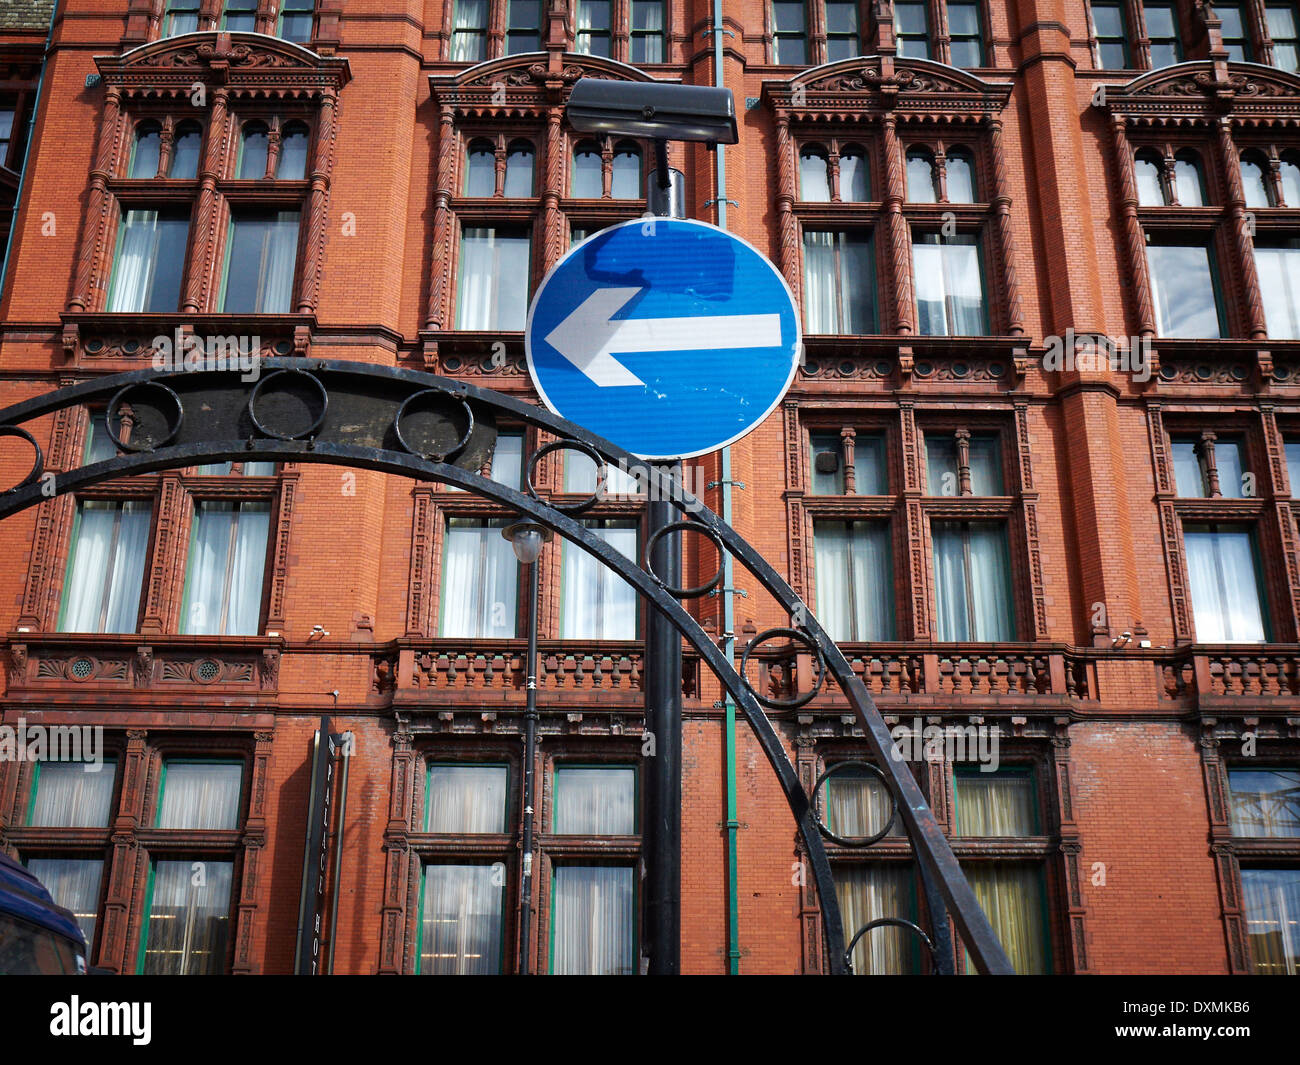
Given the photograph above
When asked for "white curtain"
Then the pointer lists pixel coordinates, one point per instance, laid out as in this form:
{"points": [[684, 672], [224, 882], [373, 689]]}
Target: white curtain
{"points": [[245, 609], [1225, 593], [254, 147], [855, 185], [920, 179], [1265, 802], [1182, 289], [1227, 459], [941, 472], [107, 568], [819, 303], [463, 919], [469, 31], [189, 918], [950, 582], [1273, 919], [597, 801], [598, 604], [74, 883], [855, 594], [594, 916], [133, 266], [990, 583], [493, 280], [857, 805], [1279, 282], [1291, 183], [866, 893], [647, 31], [814, 178], [949, 289], [580, 477], [995, 804], [961, 179], [927, 264], [1252, 184], [1011, 896], [480, 581], [466, 798], [73, 794], [593, 27], [148, 148], [224, 580], [1189, 480], [985, 465], [182, 18], [282, 252], [200, 795]]}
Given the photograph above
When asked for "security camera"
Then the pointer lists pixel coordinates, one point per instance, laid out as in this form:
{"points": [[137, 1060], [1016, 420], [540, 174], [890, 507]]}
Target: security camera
{"points": [[656, 110], [1122, 641]]}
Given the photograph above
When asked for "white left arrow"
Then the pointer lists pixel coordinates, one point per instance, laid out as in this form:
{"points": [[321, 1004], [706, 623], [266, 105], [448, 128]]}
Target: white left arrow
{"points": [[590, 336]]}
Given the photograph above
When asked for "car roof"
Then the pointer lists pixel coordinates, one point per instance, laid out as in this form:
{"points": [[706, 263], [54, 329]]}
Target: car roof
{"points": [[25, 897]]}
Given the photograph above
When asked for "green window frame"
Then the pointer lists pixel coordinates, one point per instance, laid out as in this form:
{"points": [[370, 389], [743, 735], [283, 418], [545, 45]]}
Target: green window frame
{"points": [[296, 21], [635, 946], [1164, 33], [239, 16], [1110, 27], [559, 768], [501, 896], [437, 764]]}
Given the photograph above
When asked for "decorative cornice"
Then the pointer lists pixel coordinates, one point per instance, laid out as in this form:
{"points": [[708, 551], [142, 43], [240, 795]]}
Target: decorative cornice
{"points": [[1194, 89], [523, 83]]}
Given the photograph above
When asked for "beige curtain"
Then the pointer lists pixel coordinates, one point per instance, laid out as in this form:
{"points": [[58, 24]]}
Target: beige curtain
{"points": [[867, 893]]}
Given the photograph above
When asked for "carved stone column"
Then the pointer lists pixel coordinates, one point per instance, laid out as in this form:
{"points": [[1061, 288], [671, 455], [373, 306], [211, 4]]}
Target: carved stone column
{"points": [[314, 245], [205, 211], [125, 863], [254, 840], [1133, 235], [900, 245], [436, 314], [787, 224], [1001, 202], [1230, 165], [553, 235], [397, 852], [85, 289]]}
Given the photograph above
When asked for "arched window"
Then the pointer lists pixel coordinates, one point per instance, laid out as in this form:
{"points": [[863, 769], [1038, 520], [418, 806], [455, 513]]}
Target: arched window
{"points": [[855, 183], [481, 169], [1188, 179], [519, 169], [1291, 179], [252, 154], [1252, 180], [1146, 168], [145, 151], [186, 144], [814, 175], [627, 172], [960, 169], [920, 177], [586, 184], [294, 139]]}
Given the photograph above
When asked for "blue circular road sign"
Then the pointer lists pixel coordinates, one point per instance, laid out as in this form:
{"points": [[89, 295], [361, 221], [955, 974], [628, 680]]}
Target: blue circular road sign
{"points": [[669, 337]]}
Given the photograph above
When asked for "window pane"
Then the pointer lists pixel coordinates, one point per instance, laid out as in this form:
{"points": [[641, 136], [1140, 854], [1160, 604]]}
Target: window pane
{"points": [[1114, 56], [467, 798], [595, 801], [1107, 20], [254, 148], [647, 31], [150, 261], [146, 151], [73, 794], [1281, 22], [594, 912], [855, 581], [1163, 54], [814, 179], [972, 575], [942, 475], [462, 922], [189, 918], [106, 567], [240, 16], [1187, 179], [1011, 896], [1183, 289], [1150, 192], [1291, 183], [508, 459], [1252, 183], [867, 893], [909, 18], [223, 581], [480, 583], [1265, 802], [597, 603], [995, 804], [841, 17], [1226, 603], [1278, 267], [73, 883], [580, 477], [920, 178], [592, 37], [1272, 898], [586, 183], [185, 151], [469, 34], [949, 286], [494, 267], [858, 805], [788, 20], [1189, 478], [961, 179], [1228, 462], [839, 283], [293, 153], [260, 266], [99, 445], [831, 483], [985, 465], [200, 795], [1293, 466], [480, 170], [854, 183], [519, 171], [523, 32], [870, 475], [626, 183], [296, 20]]}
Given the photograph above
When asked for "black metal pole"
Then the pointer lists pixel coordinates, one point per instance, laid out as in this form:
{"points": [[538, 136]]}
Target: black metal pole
{"points": [[940, 933], [530, 783]]}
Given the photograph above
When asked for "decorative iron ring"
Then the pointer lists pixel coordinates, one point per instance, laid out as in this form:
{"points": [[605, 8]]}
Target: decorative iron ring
{"points": [[567, 445], [685, 593], [798, 700], [896, 922], [312, 429], [116, 402], [37, 467], [434, 456], [854, 841]]}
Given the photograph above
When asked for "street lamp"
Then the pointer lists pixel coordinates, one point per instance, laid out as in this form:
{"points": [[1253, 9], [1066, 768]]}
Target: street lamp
{"points": [[527, 538]]}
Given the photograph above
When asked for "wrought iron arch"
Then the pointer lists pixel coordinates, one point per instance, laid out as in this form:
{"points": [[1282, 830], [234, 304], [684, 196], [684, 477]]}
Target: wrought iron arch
{"points": [[352, 414]]}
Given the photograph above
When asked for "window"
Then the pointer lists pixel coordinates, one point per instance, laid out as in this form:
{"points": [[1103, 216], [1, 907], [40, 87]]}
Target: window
{"points": [[1265, 802], [839, 283], [75, 884], [480, 169], [223, 581], [182, 17], [857, 804], [1290, 174], [72, 794], [149, 260], [949, 286], [240, 16], [480, 582], [831, 469], [469, 31], [842, 41], [225, 469], [464, 799], [598, 604], [110, 540], [99, 445], [494, 264], [523, 26], [1112, 36], [507, 461], [1277, 263], [855, 594], [966, 46], [7, 117], [595, 801], [855, 184], [254, 146], [187, 143], [868, 892], [972, 576], [296, 17], [592, 37], [586, 183], [1282, 29], [1183, 289], [814, 175], [292, 163], [200, 796], [921, 186], [1208, 467], [1227, 602], [1162, 29], [647, 39], [519, 169], [580, 477], [1292, 448], [789, 40], [1189, 181], [1272, 905], [996, 805], [1253, 168], [964, 463], [626, 179], [261, 260], [1150, 187], [912, 30], [146, 152], [1236, 38]]}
